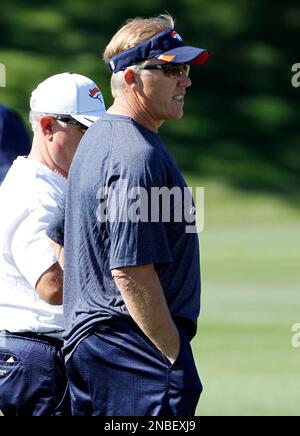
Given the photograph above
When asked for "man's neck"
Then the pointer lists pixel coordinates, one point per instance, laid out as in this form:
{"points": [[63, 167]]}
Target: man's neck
{"points": [[129, 108], [45, 159]]}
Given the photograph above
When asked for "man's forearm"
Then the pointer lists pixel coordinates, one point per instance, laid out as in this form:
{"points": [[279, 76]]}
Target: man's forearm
{"points": [[144, 298]]}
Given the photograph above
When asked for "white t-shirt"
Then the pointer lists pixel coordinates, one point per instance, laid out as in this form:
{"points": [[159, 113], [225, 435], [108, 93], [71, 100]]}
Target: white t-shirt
{"points": [[28, 199]]}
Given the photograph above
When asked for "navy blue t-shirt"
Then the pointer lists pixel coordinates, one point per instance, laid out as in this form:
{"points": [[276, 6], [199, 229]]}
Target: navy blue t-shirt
{"points": [[112, 217], [14, 139]]}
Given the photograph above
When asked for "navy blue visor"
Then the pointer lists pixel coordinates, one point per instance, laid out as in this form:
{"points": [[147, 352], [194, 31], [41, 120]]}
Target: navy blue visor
{"points": [[167, 46]]}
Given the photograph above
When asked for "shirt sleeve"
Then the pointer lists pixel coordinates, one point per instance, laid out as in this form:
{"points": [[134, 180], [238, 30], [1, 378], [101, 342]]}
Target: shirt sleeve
{"points": [[30, 247], [55, 230], [135, 237]]}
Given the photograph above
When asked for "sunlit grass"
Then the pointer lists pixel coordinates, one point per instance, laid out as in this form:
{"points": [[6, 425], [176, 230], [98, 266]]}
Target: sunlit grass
{"points": [[250, 272]]}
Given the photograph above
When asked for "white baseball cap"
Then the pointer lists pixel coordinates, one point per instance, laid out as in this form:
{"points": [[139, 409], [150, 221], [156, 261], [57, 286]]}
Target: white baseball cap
{"points": [[69, 94]]}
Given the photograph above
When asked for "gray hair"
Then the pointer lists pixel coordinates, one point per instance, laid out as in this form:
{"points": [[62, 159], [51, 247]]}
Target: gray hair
{"points": [[34, 119], [117, 81]]}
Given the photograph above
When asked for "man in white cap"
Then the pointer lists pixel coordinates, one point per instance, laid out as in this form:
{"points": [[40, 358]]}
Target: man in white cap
{"points": [[32, 374]]}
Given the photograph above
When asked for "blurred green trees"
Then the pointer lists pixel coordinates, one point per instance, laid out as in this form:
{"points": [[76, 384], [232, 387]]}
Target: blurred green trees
{"points": [[241, 115]]}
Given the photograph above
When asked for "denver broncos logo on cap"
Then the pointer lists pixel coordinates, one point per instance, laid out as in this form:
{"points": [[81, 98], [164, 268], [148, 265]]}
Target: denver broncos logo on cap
{"points": [[96, 93], [175, 35]]}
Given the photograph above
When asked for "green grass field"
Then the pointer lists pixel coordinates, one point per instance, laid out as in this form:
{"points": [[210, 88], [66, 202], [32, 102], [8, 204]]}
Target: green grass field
{"points": [[250, 273]]}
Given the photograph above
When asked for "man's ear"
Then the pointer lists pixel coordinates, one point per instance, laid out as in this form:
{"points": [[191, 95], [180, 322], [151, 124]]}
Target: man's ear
{"points": [[129, 77], [46, 124]]}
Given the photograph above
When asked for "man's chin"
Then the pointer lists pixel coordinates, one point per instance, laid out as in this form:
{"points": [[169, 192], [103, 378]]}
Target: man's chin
{"points": [[178, 116]]}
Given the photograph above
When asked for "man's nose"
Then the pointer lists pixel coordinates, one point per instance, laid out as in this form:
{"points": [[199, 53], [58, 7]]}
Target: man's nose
{"points": [[184, 81]]}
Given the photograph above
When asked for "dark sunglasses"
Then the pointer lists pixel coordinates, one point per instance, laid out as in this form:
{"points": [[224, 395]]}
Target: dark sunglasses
{"points": [[69, 120], [171, 70]]}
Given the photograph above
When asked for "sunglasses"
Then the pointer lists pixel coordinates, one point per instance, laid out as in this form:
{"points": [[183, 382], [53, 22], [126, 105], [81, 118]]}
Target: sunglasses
{"points": [[69, 120], [170, 70]]}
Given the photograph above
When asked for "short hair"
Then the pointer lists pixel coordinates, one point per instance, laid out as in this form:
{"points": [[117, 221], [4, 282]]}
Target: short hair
{"points": [[34, 118], [133, 32]]}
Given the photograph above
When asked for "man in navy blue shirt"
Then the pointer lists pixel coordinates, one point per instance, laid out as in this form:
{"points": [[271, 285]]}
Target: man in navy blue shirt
{"points": [[132, 274], [14, 139]]}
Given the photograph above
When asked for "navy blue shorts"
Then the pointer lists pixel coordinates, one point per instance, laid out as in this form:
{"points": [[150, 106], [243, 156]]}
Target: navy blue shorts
{"points": [[33, 378], [117, 371]]}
